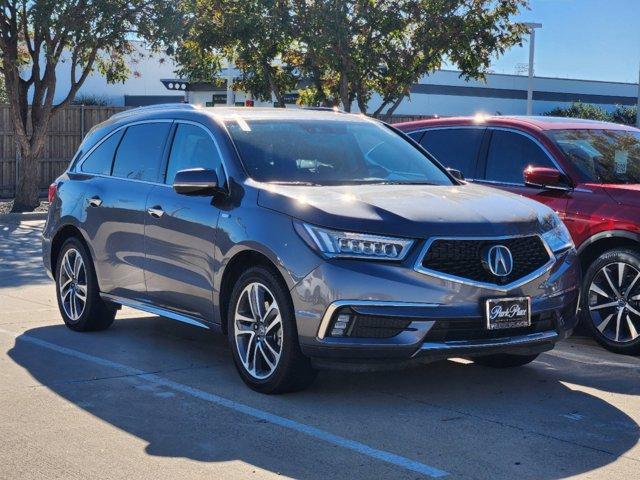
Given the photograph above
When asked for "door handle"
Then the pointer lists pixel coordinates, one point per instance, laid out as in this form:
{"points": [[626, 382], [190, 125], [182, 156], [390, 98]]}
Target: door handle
{"points": [[95, 201], [156, 211]]}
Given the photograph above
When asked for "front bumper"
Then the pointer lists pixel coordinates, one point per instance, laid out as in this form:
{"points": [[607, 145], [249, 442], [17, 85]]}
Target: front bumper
{"points": [[441, 318]]}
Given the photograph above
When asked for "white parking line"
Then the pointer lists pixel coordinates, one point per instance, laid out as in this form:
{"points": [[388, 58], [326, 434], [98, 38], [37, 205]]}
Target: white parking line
{"points": [[353, 445]]}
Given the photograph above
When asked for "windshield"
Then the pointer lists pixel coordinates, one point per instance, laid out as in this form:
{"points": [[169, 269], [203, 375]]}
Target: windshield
{"points": [[603, 156], [330, 152]]}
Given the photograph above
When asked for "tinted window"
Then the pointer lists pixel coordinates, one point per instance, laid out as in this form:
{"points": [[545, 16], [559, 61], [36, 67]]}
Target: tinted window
{"points": [[101, 158], [455, 147], [603, 156], [330, 152], [139, 156], [416, 135], [510, 154], [193, 148]]}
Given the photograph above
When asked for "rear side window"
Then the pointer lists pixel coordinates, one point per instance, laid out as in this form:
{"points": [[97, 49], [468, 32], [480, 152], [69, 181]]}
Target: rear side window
{"points": [[100, 160], [510, 154], [455, 147], [193, 148], [139, 156]]}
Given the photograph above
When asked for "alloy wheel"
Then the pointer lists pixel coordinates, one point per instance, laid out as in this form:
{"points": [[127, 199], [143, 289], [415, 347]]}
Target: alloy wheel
{"points": [[72, 284], [258, 330], [614, 302]]}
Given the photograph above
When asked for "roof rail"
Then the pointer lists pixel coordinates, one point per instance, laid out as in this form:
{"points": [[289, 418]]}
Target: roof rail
{"points": [[158, 106]]}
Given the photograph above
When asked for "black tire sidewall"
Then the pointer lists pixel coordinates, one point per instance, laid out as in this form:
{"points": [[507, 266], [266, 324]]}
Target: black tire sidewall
{"points": [[624, 255], [290, 346]]}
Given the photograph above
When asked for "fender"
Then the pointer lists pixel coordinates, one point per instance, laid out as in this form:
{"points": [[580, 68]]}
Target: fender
{"points": [[608, 234]]}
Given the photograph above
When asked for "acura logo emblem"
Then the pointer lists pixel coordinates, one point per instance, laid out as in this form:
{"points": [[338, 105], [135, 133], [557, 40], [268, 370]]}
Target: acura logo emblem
{"points": [[498, 260]]}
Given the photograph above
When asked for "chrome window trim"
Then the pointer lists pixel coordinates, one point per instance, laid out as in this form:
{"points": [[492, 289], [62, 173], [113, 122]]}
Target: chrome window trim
{"points": [[79, 163], [77, 167], [331, 309], [491, 286]]}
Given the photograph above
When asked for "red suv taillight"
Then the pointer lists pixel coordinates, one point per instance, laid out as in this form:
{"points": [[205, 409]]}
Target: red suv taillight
{"points": [[53, 188]]}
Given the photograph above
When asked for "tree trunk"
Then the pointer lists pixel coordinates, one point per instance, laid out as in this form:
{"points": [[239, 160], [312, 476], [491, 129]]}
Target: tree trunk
{"points": [[26, 198], [344, 92], [392, 108]]}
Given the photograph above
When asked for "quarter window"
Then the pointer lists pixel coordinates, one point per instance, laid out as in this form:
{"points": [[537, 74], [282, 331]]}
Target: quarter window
{"points": [[100, 160], [193, 148], [510, 154], [139, 156], [455, 147]]}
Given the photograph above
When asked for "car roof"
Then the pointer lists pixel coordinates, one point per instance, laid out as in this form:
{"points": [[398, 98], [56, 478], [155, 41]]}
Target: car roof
{"points": [[534, 122]]}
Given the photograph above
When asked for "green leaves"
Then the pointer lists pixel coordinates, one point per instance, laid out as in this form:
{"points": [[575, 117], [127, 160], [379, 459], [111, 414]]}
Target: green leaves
{"points": [[341, 51]]}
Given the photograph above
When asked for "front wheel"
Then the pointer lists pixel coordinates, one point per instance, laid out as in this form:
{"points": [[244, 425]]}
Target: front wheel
{"points": [[504, 360], [263, 335], [611, 300]]}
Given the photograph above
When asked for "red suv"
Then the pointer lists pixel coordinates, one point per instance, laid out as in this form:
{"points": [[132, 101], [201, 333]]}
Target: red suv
{"points": [[588, 172]]}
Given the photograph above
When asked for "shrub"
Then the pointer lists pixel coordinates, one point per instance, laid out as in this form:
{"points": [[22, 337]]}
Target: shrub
{"points": [[96, 100], [581, 110], [624, 114]]}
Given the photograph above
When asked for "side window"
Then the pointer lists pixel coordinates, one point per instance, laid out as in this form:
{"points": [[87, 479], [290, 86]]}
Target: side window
{"points": [[101, 158], [193, 148], [139, 156], [510, 154], [455, 147]]}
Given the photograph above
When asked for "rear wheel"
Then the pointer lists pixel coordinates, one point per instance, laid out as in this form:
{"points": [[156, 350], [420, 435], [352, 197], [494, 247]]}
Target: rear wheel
{"points": [[504, 360], [263, 335], [78, 296], [611, 300]]}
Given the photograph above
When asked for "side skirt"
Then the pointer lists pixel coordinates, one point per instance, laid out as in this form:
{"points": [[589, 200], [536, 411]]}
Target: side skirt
{"points": [[145, 307]]}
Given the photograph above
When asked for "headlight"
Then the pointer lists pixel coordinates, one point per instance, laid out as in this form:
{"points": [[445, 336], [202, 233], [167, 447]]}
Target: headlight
{"points": [[555, 233], [333, 243]]}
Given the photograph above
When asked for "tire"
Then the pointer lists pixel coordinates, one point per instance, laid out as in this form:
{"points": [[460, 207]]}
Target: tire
{"points": [[617, 326], [265, 346], [504, 360], [74, 279]]}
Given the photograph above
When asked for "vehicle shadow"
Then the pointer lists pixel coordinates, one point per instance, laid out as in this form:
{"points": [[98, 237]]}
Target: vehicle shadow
{"points": [[446, 411]]}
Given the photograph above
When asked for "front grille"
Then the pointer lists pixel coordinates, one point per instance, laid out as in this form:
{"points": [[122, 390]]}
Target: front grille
{"points": [[475, 329], [463, 258]]}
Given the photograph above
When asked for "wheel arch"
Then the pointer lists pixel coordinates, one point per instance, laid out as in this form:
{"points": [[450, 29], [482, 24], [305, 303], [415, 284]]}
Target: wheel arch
{"points": [[595, 245], [62, 235]]}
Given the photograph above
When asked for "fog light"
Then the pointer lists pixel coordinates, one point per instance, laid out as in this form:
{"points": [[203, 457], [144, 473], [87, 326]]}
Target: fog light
{"points": [[340, 326]]}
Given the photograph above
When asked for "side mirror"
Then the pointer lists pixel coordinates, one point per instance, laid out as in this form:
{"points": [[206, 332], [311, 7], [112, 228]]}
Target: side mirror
{"points": [[543, 177], [196, 181], [457, 174]]}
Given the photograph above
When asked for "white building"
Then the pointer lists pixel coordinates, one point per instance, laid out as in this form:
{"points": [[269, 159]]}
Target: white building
{"points": [[444, 93]]}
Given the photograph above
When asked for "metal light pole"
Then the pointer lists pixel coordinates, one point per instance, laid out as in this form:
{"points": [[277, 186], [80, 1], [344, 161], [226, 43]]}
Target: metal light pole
{"points": [[638, 109], [532, 45]]}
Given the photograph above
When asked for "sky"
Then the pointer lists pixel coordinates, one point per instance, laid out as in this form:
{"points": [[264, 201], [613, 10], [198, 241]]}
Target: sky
{"points": [[586, 39]]}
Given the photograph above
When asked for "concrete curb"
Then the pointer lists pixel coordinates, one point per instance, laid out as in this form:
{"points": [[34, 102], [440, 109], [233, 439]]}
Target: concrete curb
{"points": [[22, 217]]}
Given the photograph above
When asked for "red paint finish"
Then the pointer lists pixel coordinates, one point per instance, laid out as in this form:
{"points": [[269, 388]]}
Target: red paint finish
{"points": [[588, 209]]}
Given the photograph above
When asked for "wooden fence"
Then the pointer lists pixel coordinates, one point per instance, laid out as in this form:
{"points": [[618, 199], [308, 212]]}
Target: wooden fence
{"points": [[66, 131]]}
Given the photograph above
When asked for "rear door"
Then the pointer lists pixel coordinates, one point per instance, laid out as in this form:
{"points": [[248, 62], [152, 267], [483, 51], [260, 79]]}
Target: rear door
{"points": [[181, 230], [121, 172], [455, 147], [508, 154]]}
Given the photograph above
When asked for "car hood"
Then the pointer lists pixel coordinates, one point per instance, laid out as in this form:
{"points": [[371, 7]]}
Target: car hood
{"points": [[624, 194], [417, 211]]}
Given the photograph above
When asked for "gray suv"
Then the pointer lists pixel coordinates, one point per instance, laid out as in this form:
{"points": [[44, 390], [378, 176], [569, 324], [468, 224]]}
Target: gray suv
{"points": [[309, 238]]}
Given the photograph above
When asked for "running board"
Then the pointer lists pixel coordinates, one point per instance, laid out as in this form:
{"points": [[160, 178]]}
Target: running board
{"points": [[145, 307]]}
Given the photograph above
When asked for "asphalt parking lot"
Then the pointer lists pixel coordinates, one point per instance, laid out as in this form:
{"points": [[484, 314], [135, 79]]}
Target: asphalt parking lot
{"points": [[151, 398]]}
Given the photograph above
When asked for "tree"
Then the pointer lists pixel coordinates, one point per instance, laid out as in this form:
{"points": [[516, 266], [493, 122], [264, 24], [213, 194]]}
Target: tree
{"points": [[37, 36], [351, 48], [625, 115], [252, 34], [581, 110]]}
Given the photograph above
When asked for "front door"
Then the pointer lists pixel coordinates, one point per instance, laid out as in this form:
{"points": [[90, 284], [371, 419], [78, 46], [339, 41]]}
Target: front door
{"points": [[180, 230]]}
